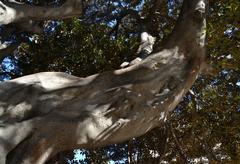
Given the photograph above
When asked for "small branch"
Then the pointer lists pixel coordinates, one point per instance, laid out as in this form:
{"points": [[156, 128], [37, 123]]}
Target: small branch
{"points": [[30, 26], [130, 152], [164, 142], [208, 69], [178, 145]]}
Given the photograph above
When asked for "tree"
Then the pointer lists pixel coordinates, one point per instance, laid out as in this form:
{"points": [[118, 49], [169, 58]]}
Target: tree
{"points": [[125, 99]]}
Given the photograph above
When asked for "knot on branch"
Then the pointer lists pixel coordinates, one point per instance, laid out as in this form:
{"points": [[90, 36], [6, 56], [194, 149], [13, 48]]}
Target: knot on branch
{"points": [[146, 46]]}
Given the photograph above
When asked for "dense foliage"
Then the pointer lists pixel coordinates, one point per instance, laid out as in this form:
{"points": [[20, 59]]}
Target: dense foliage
{"points": [[204, 127]]}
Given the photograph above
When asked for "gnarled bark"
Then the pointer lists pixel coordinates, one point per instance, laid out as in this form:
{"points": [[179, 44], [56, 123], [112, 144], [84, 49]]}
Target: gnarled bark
{"points": [[44, 113]]}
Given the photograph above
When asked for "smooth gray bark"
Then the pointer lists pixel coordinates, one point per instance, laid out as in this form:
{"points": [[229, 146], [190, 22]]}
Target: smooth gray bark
{"points": [[12, 11], [45, 113]]}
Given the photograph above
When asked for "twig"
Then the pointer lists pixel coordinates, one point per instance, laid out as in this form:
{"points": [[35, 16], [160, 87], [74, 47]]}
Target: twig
{"points": [[179, 146]]}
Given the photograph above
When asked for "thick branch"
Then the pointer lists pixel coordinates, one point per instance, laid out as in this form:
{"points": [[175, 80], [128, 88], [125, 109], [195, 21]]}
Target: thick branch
{"points": [[13, 12], [193, 14], [45, 113]]}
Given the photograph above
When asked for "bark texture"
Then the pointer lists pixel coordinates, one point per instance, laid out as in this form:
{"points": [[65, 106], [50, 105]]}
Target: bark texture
{"points": [[45, 113]]}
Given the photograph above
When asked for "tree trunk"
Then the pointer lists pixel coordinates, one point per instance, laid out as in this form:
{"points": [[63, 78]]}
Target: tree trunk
{"points": [[45, 113]]}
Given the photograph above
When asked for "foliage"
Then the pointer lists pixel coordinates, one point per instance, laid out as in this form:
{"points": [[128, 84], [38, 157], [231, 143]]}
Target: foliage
{"points": [[76, 48]]}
